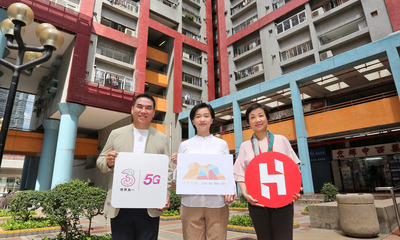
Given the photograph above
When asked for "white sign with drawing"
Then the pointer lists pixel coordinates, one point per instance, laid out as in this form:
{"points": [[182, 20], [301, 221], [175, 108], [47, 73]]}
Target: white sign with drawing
{"points": [[140, 180], [205, 174]]}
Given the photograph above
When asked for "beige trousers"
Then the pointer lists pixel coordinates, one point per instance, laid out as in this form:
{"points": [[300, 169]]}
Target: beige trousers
{"points": [[200, 223]]}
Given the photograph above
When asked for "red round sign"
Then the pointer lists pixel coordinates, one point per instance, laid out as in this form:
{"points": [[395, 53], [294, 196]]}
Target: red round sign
{"points": [[272, 178]]}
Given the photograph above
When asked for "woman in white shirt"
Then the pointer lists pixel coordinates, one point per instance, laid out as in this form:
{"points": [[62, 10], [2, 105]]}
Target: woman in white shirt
{"points": [[204, 216]]}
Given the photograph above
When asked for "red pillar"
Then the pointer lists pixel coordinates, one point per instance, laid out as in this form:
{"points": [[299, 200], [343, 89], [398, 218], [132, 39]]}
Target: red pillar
{"points": [[177, 75], [141, 53]]}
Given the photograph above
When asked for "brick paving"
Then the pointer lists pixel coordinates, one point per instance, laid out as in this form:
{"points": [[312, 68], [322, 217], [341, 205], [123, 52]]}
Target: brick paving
{"points": [[172, 230]]}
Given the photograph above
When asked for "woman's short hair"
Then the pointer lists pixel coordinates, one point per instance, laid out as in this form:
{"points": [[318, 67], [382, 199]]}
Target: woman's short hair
{"points": [[197, 107], [254, 106], [201, 105]]}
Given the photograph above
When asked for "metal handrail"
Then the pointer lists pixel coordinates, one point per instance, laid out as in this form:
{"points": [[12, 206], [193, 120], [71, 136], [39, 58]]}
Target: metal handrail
{"points": [[396, 209]]}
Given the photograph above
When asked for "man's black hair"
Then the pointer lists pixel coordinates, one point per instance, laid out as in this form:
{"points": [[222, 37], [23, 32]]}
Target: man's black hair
{"points": [[145, 95]]}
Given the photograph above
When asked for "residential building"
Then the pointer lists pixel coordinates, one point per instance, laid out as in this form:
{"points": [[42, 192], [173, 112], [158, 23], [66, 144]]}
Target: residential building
{"points": [[190, 51]]}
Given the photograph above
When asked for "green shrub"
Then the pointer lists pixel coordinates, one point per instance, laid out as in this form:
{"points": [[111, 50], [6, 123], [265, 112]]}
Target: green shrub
{"points": [[241, 220], [67, 202], [239, 204], [330, 191], [168, 213], [174, 201], [23, 203], [5, 213], [17, 224]]}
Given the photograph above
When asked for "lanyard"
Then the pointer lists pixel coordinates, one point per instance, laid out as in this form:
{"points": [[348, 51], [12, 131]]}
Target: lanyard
{"points": [[256, 147], [270, 144]]}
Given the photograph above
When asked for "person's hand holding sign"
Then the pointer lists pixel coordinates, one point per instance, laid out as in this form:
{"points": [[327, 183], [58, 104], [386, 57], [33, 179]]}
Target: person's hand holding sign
{"points": [[247, 196], [110, 158]]}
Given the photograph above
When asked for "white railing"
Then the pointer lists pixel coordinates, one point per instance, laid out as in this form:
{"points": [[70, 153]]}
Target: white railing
{"points": [[240, 5], [190, 34], [291, 22], [113, 80], [116, 54], [295, 51], [249, 71], [246, 47], [244, 24]]}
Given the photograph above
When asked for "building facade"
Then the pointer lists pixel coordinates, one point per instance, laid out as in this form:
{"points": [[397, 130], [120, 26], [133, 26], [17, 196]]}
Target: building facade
{"points": [[190, 51]]}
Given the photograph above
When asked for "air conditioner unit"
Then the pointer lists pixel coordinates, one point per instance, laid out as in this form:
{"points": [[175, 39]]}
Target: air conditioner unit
{"points": [[317, 12], [130, 32], [258, 67], [186, 55], [72, 6], [326, 55]]}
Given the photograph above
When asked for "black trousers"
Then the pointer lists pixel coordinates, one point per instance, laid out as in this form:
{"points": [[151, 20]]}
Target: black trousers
{"points": [[273, 223], [134, 224]]}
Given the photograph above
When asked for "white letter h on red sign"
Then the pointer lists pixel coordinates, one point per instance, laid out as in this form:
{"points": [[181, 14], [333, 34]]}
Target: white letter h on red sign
{"points": [[279, 179]]}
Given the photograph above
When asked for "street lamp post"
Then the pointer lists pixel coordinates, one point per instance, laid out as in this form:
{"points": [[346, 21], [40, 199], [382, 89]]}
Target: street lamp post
{"points": [[19, 16]]}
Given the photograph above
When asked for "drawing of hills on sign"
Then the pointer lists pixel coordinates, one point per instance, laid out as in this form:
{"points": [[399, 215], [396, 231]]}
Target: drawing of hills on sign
{"points": [[198, 172]]}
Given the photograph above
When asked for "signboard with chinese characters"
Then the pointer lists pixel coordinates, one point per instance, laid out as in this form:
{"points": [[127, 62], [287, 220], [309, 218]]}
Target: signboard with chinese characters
{"points": [[367, 151], [205, 174], [140, 180]]}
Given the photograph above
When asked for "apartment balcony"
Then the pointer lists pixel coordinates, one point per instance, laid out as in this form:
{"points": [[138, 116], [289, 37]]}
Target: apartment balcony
{"points": [[295, 53], [115, 56], [192, 81], [127, 6], [191, 18], [193, 3], [117, 26], [165, 10], [192, 59], [323, 13], [157, 55], [191, 35], [246, 50], [156, 78], [244, 24], [279, 3], [242, 8], [168, 3], [343, 34], [114, 80], [67, 4], [188, 102], [249, 73], [291, 25]]}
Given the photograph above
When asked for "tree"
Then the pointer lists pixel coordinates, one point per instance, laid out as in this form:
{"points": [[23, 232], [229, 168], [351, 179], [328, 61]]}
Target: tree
{"points": [[67, 202]]}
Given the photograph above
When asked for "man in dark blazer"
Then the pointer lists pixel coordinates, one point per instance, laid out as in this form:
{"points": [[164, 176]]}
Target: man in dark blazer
{"points": [[127, 223]]}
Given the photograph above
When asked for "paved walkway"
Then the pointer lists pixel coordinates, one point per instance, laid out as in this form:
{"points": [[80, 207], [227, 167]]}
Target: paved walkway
{"points": [[172, 230]]}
